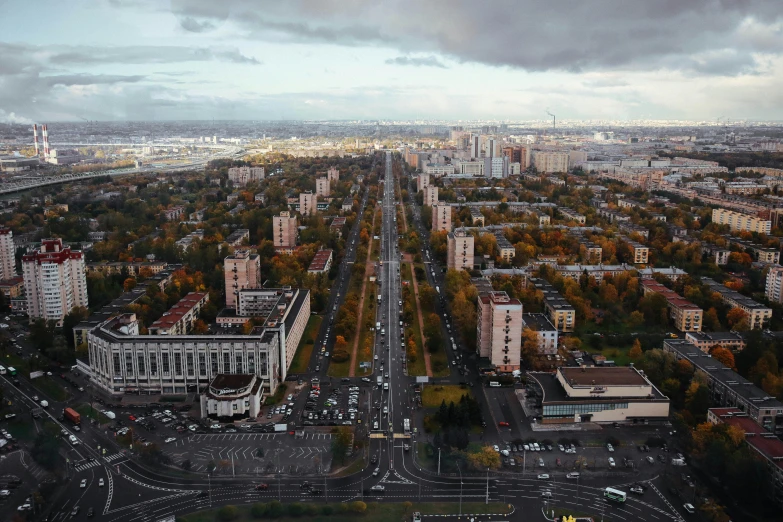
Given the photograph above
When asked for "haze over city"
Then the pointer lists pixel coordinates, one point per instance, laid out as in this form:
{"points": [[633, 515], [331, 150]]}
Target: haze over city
{"points": [[509, 60]]}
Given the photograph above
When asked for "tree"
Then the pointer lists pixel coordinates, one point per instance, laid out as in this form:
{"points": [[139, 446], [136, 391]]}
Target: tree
{"points": [[724, 355], [74, 317], [358, 507], [636, 319], [341, 443], [735, 316], [529, 346], [636, 350], [711, 321], [227, 513], [42, 334], [485, 458]]}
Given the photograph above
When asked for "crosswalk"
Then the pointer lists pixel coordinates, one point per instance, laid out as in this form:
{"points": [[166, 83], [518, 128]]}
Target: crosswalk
{"points": [[87, 465], [113, 457], [93, 463]]}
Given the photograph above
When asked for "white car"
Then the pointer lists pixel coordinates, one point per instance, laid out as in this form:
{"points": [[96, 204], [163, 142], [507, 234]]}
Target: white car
{"points": [[611, 462], [5, 493], [83, 483], [377, 488], [610, 448], [573, 475], [496, 448], [376, 471], [543, 476], [24, 507], [73, 440], [100, 483], [170, 439]]}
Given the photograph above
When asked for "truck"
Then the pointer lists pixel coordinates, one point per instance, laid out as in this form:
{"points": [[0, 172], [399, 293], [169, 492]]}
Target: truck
{"points": [[72, 415]]}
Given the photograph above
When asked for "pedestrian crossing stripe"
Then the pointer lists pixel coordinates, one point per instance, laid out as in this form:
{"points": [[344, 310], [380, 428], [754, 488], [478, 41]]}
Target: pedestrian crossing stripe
{"points": [[402, 436], [395, 479], [113, 457], [88, 465], [377, 435]]}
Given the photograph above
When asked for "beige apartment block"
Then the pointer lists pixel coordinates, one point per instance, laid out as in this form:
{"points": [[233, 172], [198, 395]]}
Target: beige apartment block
{"points": [[241, 176], [284, 228], [7, 254], [686, 316], [460, 250], [422, 181], [737, 221], [774, 286], [322, 187], [55, 281], [441, 218], [308, 203], [550, 162], [499, 330], [333, 174], [430, 195], [242, 270]]}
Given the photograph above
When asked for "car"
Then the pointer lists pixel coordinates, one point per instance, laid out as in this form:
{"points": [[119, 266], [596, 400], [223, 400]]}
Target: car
{"points": [[100, 483], [73, 440], [610, 448], [573, 475], [75, 511], [637, 490], [83, 483], [262, 487], [611, 462], [376, 471], [543, 476], [496, 448], [366, 379], [650, 460], [90, 513], [170, 439], [503, 424], [131, 418], [526, 447], [377, 487], [689, 508], [374, 459], [24, 507], [5, 493]]}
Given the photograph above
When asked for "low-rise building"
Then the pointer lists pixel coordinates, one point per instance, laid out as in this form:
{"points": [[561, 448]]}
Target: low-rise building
{"points": [[545, 330], [238, 237], [179, 320], [599, 394], [641, 253], [507, 250], [561, 314], [686, 316], [571, 215], [322, 262], [12, 287], [232, 396], [477, 217], [672, 273], [173, 213], [598, 271], [706, 341], [737, 221], [758, 314]]}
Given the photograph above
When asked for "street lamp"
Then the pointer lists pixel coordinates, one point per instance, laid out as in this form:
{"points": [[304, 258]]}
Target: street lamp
{"points": [[460, 489]]}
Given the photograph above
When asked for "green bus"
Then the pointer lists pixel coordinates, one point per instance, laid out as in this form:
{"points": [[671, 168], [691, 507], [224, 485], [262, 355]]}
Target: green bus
{"points": [[615, 495], [12, 370]]}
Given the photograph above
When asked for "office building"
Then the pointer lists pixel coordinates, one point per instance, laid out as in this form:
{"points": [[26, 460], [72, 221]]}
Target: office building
{"points": [[55, 281], [758, 314], [686, 316], [322, 187], [728, 388], [308, 203], [7, 254], [499, 330], [599, 394], [430, 195], [774, 286], [241, 270], [441, 217], [738, 222], [545, 330], [241, 176], [284, 229], [460, 250]]}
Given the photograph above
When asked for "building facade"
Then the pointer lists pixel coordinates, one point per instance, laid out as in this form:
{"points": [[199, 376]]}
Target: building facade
{"points": [[441, 218], [55, 281], [499, 330], [460, 250], [686, 316], [241, 270], [430, 195], [561, 314], [774, 285], [7, 254], [241, 176], [738, 222], [758, 314], [333, 174], [550, 162], [422, 181], [232, 396], [308, 203], [181, 318], [322, 187], [284, 228], [545, 331]]}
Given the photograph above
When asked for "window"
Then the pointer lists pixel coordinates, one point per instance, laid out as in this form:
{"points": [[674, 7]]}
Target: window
{"points": [[128, 364], [235, 407], [117, 368], [189, 361], [154, 364], [166, 364], [239, 363], [263, 363], [214, 363], [140, 364], [226, 362], [251, 362], [178, 363], [202, 364]]}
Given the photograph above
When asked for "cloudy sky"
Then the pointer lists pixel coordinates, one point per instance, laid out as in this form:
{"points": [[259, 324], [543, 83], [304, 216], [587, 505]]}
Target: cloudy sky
{"points": [[393, 59]]}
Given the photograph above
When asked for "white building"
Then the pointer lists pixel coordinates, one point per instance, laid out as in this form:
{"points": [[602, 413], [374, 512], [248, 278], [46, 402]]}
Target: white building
{"points": [[234, 396], [241, 176], [774, 287], [545, 330]]}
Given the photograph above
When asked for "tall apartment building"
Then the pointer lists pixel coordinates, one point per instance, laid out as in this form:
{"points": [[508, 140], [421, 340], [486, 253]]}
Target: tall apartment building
{"points": [[550, 162], [241, 176], [308, 203], [322, 187], [422, 181], [687, 317], [460, 250], [737, 221], [242, 270], [284, 229], [441, 218], [774, 289], [518, 154], [333, 174], [55, 281], [7, 254], [430, 195], [499, 330]]}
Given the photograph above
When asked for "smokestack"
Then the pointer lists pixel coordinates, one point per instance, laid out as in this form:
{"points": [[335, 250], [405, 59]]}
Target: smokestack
{"points": [[35, 138], [45, 135]]}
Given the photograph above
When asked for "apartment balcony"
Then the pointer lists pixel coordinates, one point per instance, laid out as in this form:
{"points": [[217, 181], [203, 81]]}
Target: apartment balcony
{"points": [[507, 339], [506, 360], [506, 350], [508, 320]]}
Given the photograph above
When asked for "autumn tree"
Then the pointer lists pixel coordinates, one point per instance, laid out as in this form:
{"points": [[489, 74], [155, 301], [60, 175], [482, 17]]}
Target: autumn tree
{"points": [[724, 355], [636, 350], [485, 458]]}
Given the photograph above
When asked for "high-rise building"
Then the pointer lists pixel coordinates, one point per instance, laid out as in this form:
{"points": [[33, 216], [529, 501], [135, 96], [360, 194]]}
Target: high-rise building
{"points": [[499, 330], [284, 229], [322, 187], [241, 270], [333, 174], [550, 162], [308, 203], [422, 182], [738, 222], [460, 250], [241, 176], [54, 280], [518, 154], [431, 195], [7, 254], [441, 218], [774, 288]]}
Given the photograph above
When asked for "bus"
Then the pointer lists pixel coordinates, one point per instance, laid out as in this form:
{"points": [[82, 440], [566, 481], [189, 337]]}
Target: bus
{"points": [[406, 426], [614, 494], [12, 370]]}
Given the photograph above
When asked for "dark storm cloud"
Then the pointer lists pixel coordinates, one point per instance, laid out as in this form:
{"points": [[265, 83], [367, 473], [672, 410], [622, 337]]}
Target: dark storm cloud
{"points": [[424, 61], [535, 35]]}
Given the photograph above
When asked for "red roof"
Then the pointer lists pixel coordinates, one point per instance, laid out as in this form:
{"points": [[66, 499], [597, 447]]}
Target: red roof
{"points": [[179, 310], [756, 436]]}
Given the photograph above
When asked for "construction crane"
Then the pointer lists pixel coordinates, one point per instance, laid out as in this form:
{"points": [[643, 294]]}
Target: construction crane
{"points": [[554, 126]]}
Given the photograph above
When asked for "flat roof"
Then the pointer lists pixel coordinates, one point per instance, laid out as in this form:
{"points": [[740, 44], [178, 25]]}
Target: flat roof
{"points": [[319, 261], [555, 393], [538, 322], [232, 380], [603, 376], [179, 310]]}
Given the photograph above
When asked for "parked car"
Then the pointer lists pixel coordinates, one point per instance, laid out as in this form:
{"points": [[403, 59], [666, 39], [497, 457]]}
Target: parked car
{"points": [[573, 475]]}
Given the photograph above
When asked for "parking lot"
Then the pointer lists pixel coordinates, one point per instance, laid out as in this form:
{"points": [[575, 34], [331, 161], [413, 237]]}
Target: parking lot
{"points": [[345, 404]]}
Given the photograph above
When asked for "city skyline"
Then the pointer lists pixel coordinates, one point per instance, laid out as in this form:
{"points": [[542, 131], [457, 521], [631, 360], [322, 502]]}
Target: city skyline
{"points": [[139, 60]]}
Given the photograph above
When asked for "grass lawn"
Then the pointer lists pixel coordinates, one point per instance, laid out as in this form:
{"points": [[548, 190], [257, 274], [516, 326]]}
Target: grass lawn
{"points": [[277, 397], [92, 413], [377, 512], [305, 349], [21, 427], [50, 388], [368, 312], [354, 467], [612, 353], [432, 395]]}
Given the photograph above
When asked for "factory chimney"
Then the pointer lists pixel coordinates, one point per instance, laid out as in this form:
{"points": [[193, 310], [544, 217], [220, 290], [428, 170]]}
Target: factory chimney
{"points": [[35, 139], [45, 135]]}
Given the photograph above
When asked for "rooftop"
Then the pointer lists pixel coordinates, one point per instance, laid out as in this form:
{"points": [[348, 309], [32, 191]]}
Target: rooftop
{"points": [[603, 376], [538, 322], [179, 310], [320, 260]]}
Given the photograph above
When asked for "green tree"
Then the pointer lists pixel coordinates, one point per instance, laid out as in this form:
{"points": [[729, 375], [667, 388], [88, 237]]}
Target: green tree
{"points": [[341, 443], [74, 317], [227, 513], [358, 507]]}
